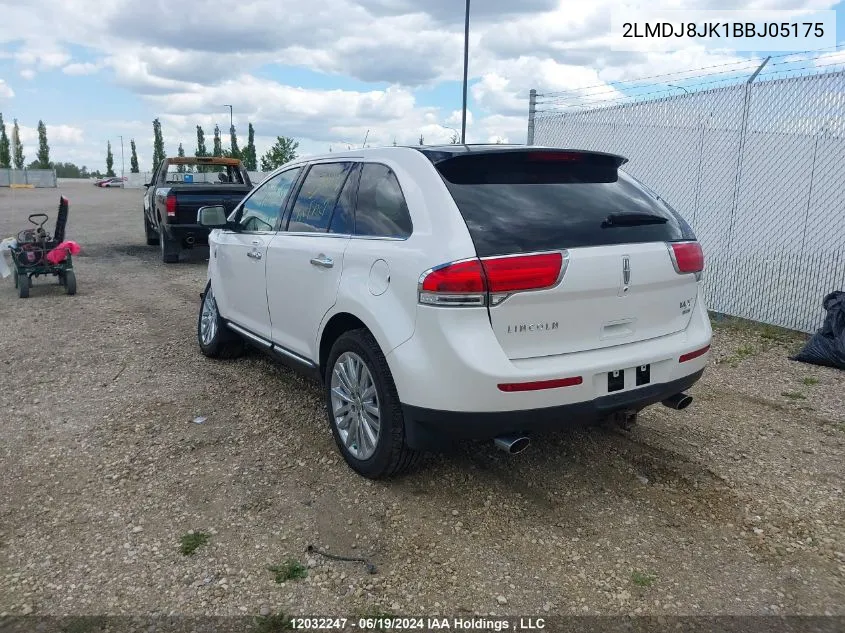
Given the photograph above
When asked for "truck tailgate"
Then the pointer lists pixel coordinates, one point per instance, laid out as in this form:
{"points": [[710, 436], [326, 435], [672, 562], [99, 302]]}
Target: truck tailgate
{"points": [[189, 198]]}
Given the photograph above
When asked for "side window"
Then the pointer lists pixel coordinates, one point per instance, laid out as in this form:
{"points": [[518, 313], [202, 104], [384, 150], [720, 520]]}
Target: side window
{"points": [[261, 210], [317, 197], [381, 210], [343, 219]]}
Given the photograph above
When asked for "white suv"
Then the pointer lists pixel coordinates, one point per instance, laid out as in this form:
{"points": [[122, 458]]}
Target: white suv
{"points": [[463, 291]]}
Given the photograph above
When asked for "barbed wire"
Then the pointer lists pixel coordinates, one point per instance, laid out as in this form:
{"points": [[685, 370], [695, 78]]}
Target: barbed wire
{"points": [[596, 99], [635, 87]]}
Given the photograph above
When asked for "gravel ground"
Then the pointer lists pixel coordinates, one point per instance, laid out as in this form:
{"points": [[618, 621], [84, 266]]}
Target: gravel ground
{"points": [[734, 506]]}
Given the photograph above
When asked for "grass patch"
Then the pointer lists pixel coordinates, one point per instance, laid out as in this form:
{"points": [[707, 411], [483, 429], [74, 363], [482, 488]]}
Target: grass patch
{"points": [[192, 541], [641, 579], [810, 380], [271, 623], [740, 354], [794, 395], [289, 570]]}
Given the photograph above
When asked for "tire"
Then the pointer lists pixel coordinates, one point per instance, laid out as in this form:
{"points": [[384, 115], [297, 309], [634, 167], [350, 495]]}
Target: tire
{"points": [[389, 455], [23, 284], [216, 340], [152, 236], [169, 252], [70, 282]]}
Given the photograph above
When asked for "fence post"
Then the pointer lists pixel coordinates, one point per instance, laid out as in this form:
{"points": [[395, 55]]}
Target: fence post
{"points": [[743, 132], [25, 176], [532, 111]]}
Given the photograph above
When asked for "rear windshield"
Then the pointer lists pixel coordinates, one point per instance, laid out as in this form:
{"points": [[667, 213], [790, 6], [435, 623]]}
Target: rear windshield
{"points": [[518, 202]]}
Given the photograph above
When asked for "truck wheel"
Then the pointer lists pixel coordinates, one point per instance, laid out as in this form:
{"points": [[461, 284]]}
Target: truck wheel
{"points": [[169, 250], [23, 285], [363, 408], [70, 282], [214, 338], [152, 236]]}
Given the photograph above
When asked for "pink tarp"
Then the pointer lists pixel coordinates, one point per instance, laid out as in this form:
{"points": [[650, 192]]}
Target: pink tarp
{"points": [[59, 254]]}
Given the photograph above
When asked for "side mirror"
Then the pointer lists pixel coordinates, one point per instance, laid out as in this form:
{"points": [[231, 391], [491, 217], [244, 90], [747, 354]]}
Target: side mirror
{"points": [[147, 184], [212, 217]]}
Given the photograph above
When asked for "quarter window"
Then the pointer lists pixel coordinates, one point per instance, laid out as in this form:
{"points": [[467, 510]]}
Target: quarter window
{"points": [[261, 210], [317, 197], [381, 210]]}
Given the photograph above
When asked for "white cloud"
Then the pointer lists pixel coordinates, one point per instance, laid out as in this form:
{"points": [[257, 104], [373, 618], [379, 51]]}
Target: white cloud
{"points": [[28, 74], [86, 68], [6, 91]]}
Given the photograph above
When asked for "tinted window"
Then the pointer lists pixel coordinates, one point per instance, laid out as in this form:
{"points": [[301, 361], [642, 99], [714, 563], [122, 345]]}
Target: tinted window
{"points": [[317, 197], [343, 219], [261, 210], [517, 202], [381, 208]]}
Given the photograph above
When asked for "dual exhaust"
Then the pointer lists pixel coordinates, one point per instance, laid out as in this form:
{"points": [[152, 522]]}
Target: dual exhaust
{"points": [[516, 443]]}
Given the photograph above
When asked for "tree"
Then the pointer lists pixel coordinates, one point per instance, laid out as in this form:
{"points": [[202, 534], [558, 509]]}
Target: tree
{"points": [[69, 170], [422, 140], [454, 139], [43, 147], [109, 161], [218, 145], [158, 144], [5, 155], [181, 154], [233, 143], [283, 151], [17, 146], [133, 161], [249, 157]]}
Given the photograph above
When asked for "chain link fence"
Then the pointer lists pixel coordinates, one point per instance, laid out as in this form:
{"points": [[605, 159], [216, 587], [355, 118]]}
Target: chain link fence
{"points": [[758, 170], [34, 177]]}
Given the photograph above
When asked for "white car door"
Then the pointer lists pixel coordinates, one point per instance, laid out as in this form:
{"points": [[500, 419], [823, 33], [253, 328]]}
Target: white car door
{"points": [[240, 255], [305, 261]]}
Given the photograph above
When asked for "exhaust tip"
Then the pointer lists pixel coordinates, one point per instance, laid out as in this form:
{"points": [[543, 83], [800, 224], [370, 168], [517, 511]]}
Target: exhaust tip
{"points": [[512, 444], [679, 401]]}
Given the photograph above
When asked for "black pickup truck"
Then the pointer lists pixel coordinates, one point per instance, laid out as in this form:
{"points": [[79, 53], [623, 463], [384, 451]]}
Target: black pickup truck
{"points": [[178, 188]]}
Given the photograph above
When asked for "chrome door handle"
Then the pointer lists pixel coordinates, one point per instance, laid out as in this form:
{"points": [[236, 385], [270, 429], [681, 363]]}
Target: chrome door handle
{"points": [[254, 254], [322, 261]]}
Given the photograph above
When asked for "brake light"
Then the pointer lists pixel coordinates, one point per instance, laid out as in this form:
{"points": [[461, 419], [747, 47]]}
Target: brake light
{"points": [[541, 384], [171, 205], [562, 157], [687, 257], [491, 280], [522, 272], [691, 355]]}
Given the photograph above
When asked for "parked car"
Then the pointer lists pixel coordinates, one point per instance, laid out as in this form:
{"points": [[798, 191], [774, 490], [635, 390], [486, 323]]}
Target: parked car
{"points": [[110, 182], [460, 292], [176, 191]]}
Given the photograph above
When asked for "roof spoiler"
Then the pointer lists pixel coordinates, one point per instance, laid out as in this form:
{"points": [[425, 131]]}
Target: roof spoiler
{"points": [[539, 154]]}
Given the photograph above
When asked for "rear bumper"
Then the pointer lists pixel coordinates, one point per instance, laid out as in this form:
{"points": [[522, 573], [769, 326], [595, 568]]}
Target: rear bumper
{"points": [[426, 428], [184, 233]]}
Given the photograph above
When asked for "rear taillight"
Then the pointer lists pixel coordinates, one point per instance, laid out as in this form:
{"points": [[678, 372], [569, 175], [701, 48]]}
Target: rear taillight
{"points": [[692, 355], [456, 284], [171, 205], [491, 280], [537, 385], [687, 257]]}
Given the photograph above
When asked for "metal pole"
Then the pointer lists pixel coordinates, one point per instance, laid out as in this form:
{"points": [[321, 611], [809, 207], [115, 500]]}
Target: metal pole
{"points": [[231, 120], [532, 111], [680, 87], [122, 162], [466, 68]]}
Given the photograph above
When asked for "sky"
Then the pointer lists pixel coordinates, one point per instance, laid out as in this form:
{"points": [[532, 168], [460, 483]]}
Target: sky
{"points": [[326, 72]]}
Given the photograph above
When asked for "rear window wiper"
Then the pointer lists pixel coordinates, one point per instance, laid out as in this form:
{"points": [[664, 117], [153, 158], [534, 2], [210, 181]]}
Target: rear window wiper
{"points": [[632, 219]]}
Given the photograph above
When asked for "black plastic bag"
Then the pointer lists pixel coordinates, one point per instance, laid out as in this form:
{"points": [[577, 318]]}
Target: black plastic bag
{"points": [[827, 346]]}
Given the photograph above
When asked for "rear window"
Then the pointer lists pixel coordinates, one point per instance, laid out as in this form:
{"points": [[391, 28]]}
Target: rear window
{"points": [[517, 202]]}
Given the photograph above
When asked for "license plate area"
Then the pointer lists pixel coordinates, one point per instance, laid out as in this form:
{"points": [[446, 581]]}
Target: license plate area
{"points": [[615, 380]]}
